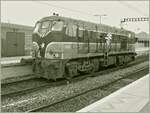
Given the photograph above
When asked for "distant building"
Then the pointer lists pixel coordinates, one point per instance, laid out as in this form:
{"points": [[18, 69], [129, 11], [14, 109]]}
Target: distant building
{"points": [[143, 39], [16, 40]]}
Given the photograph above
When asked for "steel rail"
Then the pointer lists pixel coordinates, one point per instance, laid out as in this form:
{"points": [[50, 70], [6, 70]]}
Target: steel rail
{"points": [[62, 81], [80, 94]]}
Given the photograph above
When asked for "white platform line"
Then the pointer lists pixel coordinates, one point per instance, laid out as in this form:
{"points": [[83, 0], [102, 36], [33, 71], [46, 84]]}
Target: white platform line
{"points": [[131, 98]]}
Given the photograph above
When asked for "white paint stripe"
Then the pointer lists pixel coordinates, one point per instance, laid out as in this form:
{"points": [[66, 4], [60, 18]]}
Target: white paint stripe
{"points": [[103, 102], [63, 45], [71, 43]]}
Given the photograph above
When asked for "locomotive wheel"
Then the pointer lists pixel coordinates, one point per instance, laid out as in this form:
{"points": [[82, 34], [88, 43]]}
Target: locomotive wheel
{"points": [[71, 71], [95, 63]]}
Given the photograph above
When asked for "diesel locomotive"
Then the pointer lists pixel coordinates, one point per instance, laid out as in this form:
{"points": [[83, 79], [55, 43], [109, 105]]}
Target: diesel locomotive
{"points": [[65, 47]]}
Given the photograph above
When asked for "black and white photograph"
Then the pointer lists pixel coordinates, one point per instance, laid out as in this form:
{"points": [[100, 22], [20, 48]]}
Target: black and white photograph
{"points": [[74, 56]]}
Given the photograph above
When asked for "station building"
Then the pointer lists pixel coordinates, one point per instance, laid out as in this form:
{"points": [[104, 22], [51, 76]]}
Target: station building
{"points": [[142, 40], [16, 40]]}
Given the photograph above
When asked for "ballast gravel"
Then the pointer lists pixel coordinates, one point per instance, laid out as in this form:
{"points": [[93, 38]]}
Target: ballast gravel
{"points": [[51, 95], [79, 102]]}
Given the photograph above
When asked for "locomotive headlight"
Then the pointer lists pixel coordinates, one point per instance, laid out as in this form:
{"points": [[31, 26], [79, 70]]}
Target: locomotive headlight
{"points": [[56, 55], [53, 54], [42, 45], [52, 51]]}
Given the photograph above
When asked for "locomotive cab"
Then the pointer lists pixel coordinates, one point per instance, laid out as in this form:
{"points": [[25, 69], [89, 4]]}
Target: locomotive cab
{"points": [[47, 26], [45, 32]]}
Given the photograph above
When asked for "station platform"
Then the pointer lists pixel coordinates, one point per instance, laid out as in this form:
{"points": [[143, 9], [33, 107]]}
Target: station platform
{"points": [[142, 51], [12, 68], [12, 60], [131, 98]]}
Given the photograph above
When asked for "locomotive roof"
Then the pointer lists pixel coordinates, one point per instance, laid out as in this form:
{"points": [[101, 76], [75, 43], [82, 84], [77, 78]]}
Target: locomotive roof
{"points": [[90, 25]]}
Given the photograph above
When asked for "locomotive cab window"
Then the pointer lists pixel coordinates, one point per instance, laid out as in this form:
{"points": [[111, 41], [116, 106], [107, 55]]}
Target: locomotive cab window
{"points": [[57, 26], [37, 26], [44, 27]]}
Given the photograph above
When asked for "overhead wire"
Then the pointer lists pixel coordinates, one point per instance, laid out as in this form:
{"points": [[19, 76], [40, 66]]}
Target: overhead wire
{"points": [[85, 13], [60, 7], [132, 7]]}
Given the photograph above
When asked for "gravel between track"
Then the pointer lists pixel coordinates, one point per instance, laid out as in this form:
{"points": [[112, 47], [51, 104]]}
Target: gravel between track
{"points": [[54, 94], [79, 102], [22, 85]]}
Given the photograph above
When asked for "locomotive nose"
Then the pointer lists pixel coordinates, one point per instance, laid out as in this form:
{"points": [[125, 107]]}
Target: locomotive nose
{"points": [[42, 41], [42, 49]]}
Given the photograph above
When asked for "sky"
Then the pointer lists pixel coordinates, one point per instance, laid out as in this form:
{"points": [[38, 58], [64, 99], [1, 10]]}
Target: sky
{"points": [[28, 12]]}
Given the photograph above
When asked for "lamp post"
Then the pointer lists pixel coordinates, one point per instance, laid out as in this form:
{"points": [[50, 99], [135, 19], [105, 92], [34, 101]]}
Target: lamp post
{"points": [[100, 16]]}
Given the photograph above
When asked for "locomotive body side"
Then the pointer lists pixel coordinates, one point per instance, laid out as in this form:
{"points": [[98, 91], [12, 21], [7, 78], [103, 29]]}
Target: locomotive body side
{"points": [[65, 47]]}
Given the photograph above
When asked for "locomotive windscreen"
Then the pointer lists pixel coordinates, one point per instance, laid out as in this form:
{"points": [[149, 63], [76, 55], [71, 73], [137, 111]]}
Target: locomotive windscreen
{"points": [[46, 26]]}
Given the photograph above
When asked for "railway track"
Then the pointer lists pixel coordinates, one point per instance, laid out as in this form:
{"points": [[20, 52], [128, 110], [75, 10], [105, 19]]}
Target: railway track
{"points": [[52, 95], [17, 79], [31, 76], [26, 86], [77, 103], [129, 76], [29, 85]]}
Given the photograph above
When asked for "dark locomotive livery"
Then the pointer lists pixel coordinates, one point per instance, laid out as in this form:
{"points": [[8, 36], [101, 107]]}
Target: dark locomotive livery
{"points": [[65, 47]]}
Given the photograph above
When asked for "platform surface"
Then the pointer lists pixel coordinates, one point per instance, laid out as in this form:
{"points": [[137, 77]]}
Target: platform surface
{"points": [[142, 48], [131, 98], [11, 60], [11, 67], [142, 51]]}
